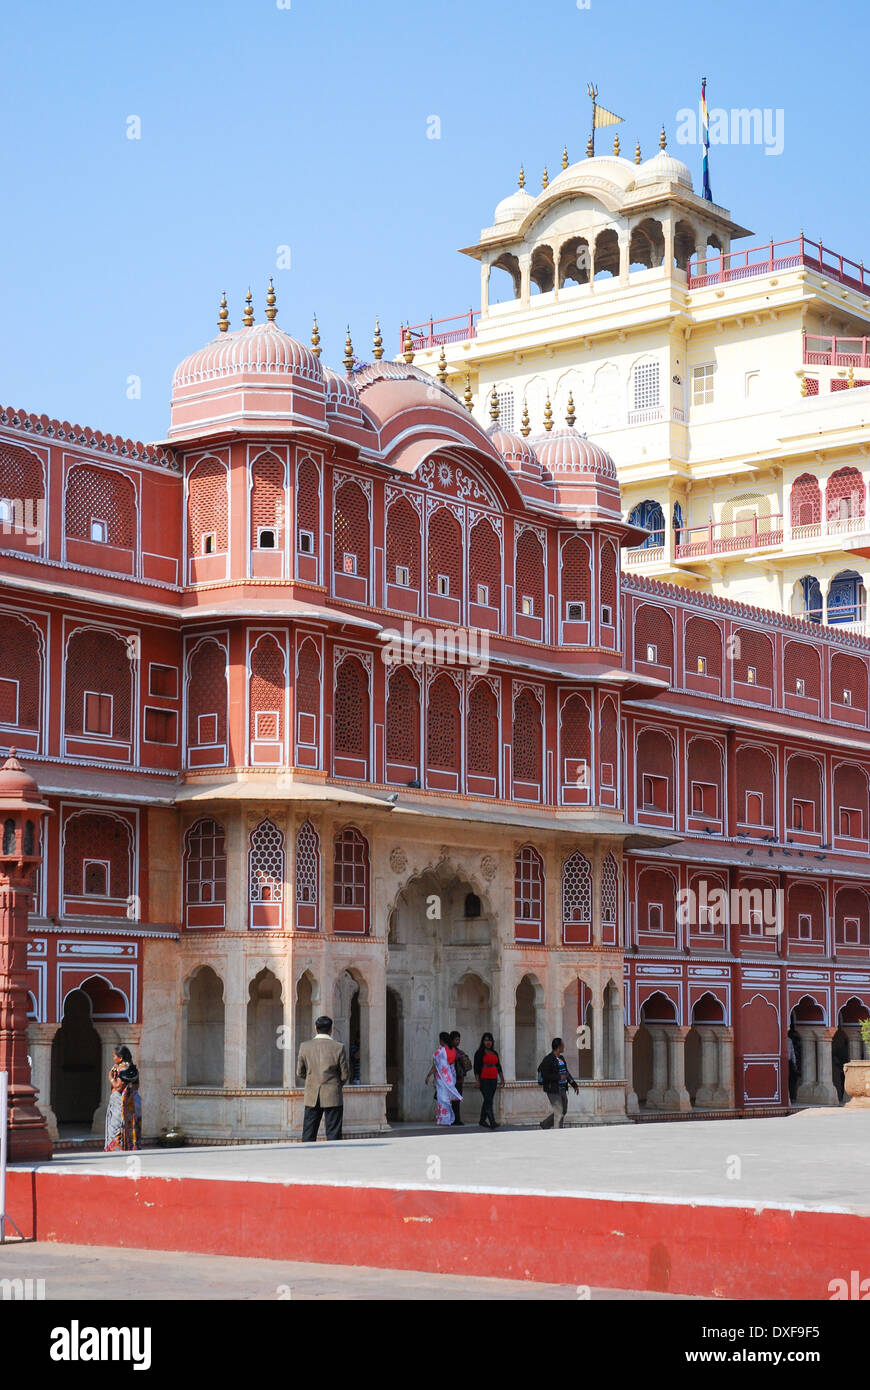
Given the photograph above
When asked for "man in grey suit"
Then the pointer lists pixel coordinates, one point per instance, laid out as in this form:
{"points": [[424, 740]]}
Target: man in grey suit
{"points": [[323, 1065]]}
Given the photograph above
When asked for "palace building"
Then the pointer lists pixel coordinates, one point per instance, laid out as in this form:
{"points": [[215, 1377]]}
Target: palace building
{"points": [[343, 704], [719, 378]]}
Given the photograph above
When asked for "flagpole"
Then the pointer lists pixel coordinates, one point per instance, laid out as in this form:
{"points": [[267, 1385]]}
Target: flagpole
{"points": [[705, 159], [592, 92]]}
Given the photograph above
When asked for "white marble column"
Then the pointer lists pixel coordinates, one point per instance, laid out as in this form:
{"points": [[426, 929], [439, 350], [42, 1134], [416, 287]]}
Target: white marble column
{"points": [[709, 1068], [236, 1021], [655, 1098], [40, 1037], [676, 1096], [723, 1096], [826, 1091], [598, 1018], [806, 1090], [632, 1106]]}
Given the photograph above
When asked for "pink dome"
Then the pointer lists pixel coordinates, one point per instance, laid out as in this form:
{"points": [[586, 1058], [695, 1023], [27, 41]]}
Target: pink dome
{"points": [[515, 450], [264, 350], [567, 452]]}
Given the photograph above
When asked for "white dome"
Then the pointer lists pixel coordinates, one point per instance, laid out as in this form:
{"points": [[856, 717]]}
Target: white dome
{"points": [[517, 205], [663, 168]]}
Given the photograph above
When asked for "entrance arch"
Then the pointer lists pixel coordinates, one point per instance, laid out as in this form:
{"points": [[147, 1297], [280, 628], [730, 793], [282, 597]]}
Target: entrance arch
{"points": [[76, 1063], [441, 953]]}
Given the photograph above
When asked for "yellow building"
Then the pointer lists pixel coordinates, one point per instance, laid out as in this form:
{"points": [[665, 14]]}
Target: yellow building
{"points": [[712, 375]]}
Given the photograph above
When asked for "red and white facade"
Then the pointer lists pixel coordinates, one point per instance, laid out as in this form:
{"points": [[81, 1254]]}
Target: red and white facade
{"points": [[343, 706]]}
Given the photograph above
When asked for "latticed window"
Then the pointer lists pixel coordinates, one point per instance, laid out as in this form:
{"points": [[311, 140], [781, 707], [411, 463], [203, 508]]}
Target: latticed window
{"points": [[266, 864], [646, 385], [484, 564], [848, 674], [530, 574], [577, 888], [529, 887], [608, 735], [576, 740], [207, 506], [21, 486], [445, 552], [703, 647], [207, 695], [609, 891], [806, 501], [307, 865], [483, 731], [308, 680], [98, 665], [98, 494], [351, 715], [307, 502], [653, 628], [267, 691], [443, 725], [350, 529], [267, 502], [350, 869], [844, 495], [93, 837], [608, 582], [527, 738], [20, 673], [753, 649], [576, 576], [403, 718], [205, 859], [403, 542]]}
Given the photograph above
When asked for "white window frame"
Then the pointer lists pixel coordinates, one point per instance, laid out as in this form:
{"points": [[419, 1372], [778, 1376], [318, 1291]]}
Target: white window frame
{"points": [[211, 742], [272, 714], [208, 542], [272, 531], [853, 922], [309, 536], [702, 383], [97, 524], [106, 864], [101, 695], [483, 595], [442, 585], [652, 653], [805, 926], [10, 680], [527, 606], [403, 576]]}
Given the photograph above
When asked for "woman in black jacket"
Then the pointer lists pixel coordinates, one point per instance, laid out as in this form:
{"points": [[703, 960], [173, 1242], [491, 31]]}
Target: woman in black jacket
{"points": [[487, 1069]]}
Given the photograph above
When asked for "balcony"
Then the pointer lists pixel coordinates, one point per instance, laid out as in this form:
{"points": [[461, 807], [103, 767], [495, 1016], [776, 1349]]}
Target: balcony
{"points": [[725, 537], [778, 255], [440, 332]]}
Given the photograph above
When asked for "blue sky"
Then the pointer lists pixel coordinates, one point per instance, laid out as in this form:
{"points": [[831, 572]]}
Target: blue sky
{"points": [[307, 126]]}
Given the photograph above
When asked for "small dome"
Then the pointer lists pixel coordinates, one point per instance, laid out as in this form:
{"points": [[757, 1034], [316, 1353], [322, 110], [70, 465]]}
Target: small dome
{"points": [[663, 168], [568, 452], [341, 394], [17, 787], [517, 205], [263, 350], [514, 449]]}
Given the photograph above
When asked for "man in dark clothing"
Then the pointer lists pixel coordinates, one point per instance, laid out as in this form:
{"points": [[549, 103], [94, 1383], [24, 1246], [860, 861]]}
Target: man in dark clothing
{"points": [[555, 1079], [462, 1066]]}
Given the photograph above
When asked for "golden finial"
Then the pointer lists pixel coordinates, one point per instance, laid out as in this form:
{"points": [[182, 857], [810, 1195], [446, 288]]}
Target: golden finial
{"points": [[493, 406], [590, 148], [468, 398], [271, 311], [663, 140], [804, 387], [564, 156], [616, 145], [408, 353], [348, 353], [223, 314], [545, 178], [378, 345], [548, 415], [525, 428], [851, 376], [637, 157], [248, 315], [315, 338], [570, 417], [442, 367], [521, 182]]}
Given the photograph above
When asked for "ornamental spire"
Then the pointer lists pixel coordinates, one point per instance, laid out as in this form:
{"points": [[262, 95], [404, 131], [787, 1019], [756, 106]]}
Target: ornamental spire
{"points": [[378, 343], [525, 428], [590, 148], [663, 140], [442, 367], [545, 178], [521, 181], [548, 414], [616, 145], [564, 156], [348, 353], [248, 315], [271, 311], [408, 353], [223, 314], [570, 416], [315, 338], [468, 399], [493, 406], [637, 156]]}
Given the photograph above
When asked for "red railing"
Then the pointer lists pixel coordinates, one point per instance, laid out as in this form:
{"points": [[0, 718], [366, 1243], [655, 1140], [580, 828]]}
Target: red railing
{"points": [[719, 537], [831, 351], [778, 255], [432, 332]]}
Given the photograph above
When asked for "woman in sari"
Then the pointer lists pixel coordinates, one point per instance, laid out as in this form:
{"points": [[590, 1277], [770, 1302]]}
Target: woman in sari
{"points": [[124, 1111], [445, 1080]]}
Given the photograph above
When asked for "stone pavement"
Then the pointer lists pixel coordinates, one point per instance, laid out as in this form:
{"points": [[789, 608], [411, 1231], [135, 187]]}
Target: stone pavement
{"points": [[815, 1159], [99, 1272]]}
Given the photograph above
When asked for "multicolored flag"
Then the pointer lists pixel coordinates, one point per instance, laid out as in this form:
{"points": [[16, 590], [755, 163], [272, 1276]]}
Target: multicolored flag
{"points": [[705, 131]]}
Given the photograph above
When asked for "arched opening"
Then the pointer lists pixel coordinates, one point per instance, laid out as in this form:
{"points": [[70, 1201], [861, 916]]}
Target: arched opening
{"points": [[847, 598], [204, 1029], [811, 1079], [505, 279], [574, 262], [646, 249], [657, 1056], [350, 1015], [606, 254], [542, 272], [305, 1011], [77, 1083], [440, 963], [684, 244], [807, 601], [528, 1049], [649, 513], [394, 1049], [265, 1021], [708, 1061]]}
